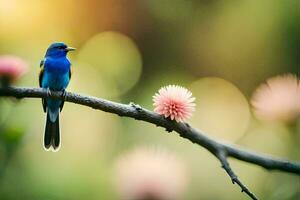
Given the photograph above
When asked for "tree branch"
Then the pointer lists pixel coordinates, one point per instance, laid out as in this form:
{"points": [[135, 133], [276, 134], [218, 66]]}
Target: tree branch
{"points": [[225, 165], [219, 149]]}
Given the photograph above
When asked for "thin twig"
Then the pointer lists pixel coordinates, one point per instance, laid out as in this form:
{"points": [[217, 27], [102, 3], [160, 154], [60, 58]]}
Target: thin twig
{"points": [[183, 129], [225, 165]]}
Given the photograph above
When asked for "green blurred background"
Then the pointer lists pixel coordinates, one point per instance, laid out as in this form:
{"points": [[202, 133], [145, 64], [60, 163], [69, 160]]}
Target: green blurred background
{"points": [[126, 50]]}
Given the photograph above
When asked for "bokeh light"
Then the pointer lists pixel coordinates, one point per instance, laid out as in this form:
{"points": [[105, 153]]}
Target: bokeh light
{"points": [[116, 59], [126, 50], [222, 110]]}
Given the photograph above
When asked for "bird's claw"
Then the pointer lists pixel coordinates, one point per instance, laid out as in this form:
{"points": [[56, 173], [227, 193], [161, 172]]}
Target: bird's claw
{"points": [[64, 94], [48, 92]]}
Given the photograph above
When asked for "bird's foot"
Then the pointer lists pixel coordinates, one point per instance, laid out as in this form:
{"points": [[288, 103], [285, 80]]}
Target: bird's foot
{"points": [[48, 92], [64, 94]]}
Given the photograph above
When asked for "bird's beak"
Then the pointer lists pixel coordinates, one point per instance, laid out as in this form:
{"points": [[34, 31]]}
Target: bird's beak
{"points": [[70, 49]]}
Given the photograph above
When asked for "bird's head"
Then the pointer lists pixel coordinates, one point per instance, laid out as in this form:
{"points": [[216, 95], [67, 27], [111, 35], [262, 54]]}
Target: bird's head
{"points": [[58, 49]]}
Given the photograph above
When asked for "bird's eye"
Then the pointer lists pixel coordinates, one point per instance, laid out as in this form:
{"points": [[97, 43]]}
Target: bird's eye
{"points": [[60, 47]]}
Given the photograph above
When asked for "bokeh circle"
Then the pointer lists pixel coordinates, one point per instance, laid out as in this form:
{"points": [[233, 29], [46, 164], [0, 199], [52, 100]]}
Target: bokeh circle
{"points": [[222, 110], [115, 58]]}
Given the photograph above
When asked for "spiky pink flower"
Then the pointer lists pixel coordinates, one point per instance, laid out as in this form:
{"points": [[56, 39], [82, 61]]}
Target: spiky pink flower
{"points": [[278, 99], [150, 174], [175, 102], [11, 68]]}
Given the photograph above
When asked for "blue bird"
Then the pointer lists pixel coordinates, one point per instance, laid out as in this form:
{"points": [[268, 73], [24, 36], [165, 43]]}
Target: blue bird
{"points": [[55, 74]]}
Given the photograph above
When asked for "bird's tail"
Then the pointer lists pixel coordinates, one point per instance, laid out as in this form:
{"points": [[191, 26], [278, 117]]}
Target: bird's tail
{"points": [[52, 131]]}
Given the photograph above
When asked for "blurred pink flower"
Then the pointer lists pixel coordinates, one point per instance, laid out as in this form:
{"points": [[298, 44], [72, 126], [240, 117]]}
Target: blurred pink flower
{"points": [[278, 99], [11, 68], [175, 102], [150, 174]]}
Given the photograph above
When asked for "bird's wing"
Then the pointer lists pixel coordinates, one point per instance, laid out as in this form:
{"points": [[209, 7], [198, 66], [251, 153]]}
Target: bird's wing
{"points": [[41, 72], [70, 73], [63, 102], [42, 63], [40, 83]]}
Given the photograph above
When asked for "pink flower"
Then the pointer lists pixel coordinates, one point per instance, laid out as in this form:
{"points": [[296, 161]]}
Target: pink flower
{"points": [[11, 68], [146, 173], [278, 99], [175, 102]]}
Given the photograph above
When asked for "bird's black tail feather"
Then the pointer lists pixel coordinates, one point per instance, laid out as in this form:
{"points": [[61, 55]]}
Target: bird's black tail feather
{"points": [[52, 134]]}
